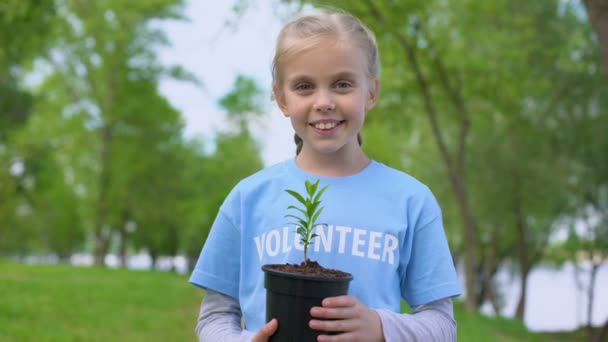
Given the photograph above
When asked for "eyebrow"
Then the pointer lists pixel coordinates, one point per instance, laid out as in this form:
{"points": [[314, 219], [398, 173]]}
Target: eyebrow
{"points": [[346, 74], [339, 75], [297, 78]]}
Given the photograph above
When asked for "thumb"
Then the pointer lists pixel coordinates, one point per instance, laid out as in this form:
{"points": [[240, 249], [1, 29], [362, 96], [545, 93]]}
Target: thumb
{"points": [[266, 331]]}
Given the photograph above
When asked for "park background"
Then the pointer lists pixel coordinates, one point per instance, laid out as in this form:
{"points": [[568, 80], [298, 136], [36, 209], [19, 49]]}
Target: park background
{"points": [[124, 125]]}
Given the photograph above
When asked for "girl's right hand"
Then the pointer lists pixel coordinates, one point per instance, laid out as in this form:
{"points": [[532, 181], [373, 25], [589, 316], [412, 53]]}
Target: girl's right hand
{"points": [[266, 331]]}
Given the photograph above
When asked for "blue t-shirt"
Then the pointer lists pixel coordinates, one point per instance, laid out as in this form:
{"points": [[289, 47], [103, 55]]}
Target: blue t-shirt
{"points": [[381, 225]]}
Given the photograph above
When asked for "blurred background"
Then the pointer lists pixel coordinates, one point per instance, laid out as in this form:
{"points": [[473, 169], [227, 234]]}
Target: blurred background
{"points": [[123, 125]]}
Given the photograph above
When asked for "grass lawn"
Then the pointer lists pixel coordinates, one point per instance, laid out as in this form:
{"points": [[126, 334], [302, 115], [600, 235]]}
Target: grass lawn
{"points": [[64, 303]]}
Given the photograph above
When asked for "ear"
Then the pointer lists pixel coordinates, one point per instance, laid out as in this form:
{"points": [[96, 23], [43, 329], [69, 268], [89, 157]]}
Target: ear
{"points": [[373, 94], [279, 96]]}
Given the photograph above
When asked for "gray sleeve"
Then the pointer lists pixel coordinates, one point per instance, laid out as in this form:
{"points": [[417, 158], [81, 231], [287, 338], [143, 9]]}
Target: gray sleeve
{"points": [[429, 322], [220, 320]]}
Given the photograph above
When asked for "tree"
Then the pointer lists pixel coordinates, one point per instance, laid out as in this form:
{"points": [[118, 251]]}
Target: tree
{"points": [[597, 11], [25, 36], [236, 155], [104, 55]]}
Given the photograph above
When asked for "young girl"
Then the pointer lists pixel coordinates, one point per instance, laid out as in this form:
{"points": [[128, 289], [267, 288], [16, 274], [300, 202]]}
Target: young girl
{"points": [[382, 225]]}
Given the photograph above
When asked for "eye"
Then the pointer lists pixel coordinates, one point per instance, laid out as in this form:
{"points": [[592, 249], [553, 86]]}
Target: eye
{"points": [[343, 85], [303, 87]]}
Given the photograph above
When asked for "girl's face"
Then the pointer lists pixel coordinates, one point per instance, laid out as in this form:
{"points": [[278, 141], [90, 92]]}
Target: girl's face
{"points": [[326, 92]]}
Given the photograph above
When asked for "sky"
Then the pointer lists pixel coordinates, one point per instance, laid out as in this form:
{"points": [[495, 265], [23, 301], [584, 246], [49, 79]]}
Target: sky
{"points": [[216, 54]]}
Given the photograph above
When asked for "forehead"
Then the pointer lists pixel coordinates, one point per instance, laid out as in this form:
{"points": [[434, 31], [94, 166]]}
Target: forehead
{"points": [[324, 57]]}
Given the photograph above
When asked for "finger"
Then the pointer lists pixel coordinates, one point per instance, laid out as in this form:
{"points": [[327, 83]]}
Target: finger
{"points": [[271, 327], [339, 301], [266, 331], [340, 325], [333, 312], [346, 337]]}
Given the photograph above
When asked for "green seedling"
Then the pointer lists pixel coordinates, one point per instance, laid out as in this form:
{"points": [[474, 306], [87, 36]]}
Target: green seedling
{"points": [[308, 213]]}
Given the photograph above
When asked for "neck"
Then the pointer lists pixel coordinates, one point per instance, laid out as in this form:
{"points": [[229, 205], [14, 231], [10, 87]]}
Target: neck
{"points": [[332, 164]]}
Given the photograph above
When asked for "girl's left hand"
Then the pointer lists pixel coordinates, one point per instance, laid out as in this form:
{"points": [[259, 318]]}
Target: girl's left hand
{"points": [[348, 316]]}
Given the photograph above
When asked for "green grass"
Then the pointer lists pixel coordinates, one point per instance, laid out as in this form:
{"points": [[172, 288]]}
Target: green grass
{"points": [[63, 303], [475, 327]]}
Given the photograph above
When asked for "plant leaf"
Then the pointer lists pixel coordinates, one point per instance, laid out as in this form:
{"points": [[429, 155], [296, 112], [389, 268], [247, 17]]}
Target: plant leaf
{"points": [[310, 210], [300, 221], [319, 194], [308, 185], [298, 209], [316, 215], [297, 196], [313, 188]]}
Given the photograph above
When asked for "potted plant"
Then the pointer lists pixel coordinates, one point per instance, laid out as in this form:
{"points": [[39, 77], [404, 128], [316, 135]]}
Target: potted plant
{"points": [[293, 289]]}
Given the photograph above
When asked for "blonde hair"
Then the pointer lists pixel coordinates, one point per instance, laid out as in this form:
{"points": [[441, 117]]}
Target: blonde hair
{"points": [[305, 32]]}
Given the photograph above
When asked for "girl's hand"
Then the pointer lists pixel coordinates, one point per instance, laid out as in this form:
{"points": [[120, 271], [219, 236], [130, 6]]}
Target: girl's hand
{"points": [[348, 316], [266, 331]]}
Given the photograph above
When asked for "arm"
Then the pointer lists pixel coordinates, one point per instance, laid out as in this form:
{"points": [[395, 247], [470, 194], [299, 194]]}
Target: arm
{"points": [[220, 319], [429, 322]]}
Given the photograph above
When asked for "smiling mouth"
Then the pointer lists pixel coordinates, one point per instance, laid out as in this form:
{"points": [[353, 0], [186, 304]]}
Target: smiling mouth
{"points": [[326, 125]]}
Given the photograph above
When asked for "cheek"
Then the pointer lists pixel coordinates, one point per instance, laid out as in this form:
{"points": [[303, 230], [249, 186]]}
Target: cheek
{"points": [[297, 108]]}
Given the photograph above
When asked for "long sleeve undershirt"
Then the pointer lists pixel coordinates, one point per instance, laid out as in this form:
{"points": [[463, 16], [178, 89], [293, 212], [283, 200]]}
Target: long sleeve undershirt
{"points": [[220, 320]]}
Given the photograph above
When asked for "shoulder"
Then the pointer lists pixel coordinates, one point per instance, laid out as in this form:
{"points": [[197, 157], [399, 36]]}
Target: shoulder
{"points": [[398, 180], [263, 177], [265, 180]]}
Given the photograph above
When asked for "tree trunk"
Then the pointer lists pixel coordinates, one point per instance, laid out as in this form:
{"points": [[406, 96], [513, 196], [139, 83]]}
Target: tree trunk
{"points": [[154, 258], [123, 248], [191, 263], [123, 241], [520, 312], [520, 228], [456, 175], [454, 162], [490, 292], [471, 246], [591, 295], [602, 335], [102, 237], [597, 11]]}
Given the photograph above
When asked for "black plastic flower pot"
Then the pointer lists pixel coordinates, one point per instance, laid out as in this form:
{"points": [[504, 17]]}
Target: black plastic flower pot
{"points": [[289, 298]]}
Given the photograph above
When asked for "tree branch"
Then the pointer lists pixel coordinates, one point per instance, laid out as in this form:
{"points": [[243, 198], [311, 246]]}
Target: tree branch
{"points": [[597, 11], [412, 56]]}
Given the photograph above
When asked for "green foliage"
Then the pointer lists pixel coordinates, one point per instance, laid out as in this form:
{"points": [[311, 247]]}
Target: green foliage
{"points": [[243, 103], [24, 30], [308, 212], [244, 98], [236, 155], [25, 33], [209, 179]]}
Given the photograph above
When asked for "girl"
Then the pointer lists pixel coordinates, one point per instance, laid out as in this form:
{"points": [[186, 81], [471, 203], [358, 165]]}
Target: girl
{"points": [[383, 226]]}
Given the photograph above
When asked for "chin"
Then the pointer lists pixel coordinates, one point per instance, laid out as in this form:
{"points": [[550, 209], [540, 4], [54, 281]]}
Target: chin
{"points": [[328, 149]]}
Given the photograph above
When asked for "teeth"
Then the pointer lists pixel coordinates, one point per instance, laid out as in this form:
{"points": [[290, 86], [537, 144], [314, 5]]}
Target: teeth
{"points": [[325, 125]]}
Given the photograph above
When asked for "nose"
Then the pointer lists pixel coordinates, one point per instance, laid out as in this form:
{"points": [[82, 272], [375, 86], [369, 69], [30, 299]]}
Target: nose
{"points": [[324, 102]]}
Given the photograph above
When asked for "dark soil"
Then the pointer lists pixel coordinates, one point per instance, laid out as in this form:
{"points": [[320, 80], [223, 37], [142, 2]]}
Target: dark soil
{"points": [[311, 268]]}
